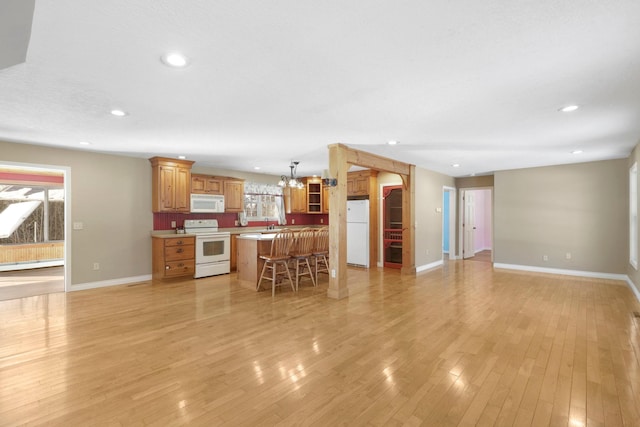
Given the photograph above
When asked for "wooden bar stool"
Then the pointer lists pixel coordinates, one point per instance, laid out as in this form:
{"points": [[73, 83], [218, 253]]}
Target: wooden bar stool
{"points": [[321, 252], [278, 256], [301, 254]]}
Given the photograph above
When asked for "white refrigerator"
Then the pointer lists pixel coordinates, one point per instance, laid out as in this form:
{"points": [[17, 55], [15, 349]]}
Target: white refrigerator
{"points": [[358, 232]]}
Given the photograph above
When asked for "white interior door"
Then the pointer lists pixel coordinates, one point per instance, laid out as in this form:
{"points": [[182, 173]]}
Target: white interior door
{"points": [[469, 226]]}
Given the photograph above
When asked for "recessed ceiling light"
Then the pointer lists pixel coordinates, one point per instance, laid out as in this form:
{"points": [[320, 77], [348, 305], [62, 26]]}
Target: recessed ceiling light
{"points": [[182, 157], [84, 143], [455, 165], [576, 152], [256, 168], [176, 60], [392, 142], [569, 108], [118, 113]]}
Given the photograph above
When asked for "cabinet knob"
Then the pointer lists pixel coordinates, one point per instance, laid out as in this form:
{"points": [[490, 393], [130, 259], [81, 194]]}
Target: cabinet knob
{"points": [[181, 265], [180, 250], [166, 267], [180, 242]]}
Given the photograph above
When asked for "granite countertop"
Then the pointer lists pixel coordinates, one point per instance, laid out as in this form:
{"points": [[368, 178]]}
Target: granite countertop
{"points": [[164, 234], [169, 234], [257, 236], [263, 229]]}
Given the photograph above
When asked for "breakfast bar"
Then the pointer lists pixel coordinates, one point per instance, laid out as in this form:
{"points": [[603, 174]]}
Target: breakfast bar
{"points": [[250, 246]]}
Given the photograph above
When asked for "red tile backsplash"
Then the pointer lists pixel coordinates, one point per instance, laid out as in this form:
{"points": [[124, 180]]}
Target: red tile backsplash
{"points": [[162, 221]]}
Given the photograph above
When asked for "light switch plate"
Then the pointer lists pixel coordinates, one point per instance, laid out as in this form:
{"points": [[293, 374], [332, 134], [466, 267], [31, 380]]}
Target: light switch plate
{"points": [[78, 226]]}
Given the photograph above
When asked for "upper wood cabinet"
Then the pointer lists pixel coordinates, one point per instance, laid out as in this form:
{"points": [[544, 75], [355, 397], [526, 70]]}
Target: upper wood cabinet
{"points": [[360, 183], [325, 199], [314, 195], [233, 195], [170, 185], [205, 184], [295, 200]]}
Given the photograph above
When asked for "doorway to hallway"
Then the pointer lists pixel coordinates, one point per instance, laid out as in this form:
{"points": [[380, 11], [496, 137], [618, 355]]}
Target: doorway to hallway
{"points": [[477, 224]]}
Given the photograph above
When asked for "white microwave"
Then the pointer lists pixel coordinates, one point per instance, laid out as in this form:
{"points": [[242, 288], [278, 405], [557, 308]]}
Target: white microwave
{"points": [[207, 203]]}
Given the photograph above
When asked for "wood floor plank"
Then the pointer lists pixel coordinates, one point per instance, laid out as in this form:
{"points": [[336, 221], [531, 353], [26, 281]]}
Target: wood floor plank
{"points": [[460, 345]]}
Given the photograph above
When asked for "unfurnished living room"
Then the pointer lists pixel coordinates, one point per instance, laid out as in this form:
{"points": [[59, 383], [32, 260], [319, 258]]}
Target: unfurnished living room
{"points": [[319, 213]]}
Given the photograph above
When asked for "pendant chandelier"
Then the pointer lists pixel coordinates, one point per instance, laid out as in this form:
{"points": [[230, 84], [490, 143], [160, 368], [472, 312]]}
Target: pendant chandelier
{"points": [[291, 181]]}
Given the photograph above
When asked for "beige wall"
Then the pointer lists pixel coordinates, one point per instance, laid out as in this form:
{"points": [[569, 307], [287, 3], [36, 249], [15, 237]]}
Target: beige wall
{"points": [[579, 208], [247, 176], [633, 274], [475, 181], [111, 196]]}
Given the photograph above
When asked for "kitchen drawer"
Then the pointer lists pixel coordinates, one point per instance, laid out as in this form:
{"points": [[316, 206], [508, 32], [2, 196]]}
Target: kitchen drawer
{"points": [[173, 256], [179, 241], [174, 253], [180, 268]]}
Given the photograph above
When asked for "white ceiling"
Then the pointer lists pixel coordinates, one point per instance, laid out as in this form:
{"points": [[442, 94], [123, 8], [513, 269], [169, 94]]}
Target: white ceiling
{"points": [[477, 83]]}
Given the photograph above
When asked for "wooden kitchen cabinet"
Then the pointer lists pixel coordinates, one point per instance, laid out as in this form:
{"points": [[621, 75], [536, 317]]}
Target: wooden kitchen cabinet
{"points": [[170, 185], [173, 257], [314, 195], [325, 199], [298, 200], [206, 184], [360, 183], [233, 260], [233, 195]]}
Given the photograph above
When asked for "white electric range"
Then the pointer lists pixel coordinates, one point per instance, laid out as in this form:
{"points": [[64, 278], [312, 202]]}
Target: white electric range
{"points": [[213, 247]]}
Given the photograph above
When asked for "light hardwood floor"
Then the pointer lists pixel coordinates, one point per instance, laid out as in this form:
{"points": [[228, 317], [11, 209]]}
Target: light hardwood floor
{"points": [[460, 345], [31, 282]]}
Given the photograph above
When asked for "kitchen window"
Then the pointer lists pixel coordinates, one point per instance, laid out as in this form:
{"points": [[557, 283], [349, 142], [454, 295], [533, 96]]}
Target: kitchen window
{"points": [[257, 207], [263, 202]]}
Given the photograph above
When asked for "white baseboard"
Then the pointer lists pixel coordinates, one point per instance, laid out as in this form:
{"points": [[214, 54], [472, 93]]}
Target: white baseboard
{"points": [[633, 287], [578, 273], [112, 282], [428, 266]]}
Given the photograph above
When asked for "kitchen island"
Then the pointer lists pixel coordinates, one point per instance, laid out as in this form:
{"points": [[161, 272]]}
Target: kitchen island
{"points": [[250, 246]]}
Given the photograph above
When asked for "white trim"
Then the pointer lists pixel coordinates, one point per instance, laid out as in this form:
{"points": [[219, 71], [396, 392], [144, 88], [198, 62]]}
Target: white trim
{"points": [[112, 282], [633, 287], [579, 273], [429, 266]]}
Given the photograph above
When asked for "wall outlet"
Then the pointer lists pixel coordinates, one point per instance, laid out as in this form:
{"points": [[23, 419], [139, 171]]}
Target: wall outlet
{"points": [[173, 224], [321, 220], [333, 273], [78, 226], [96, 266], [568, 255], [545, 258], [236, 222], [293, 221]]}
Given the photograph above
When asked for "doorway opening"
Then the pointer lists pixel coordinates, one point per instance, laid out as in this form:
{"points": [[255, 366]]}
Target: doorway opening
{"points": [[448, 223], [32, 230], [392, 225], [476, 218]]}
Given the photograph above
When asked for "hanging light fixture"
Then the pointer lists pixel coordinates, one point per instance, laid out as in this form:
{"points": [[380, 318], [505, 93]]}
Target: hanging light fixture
{"points": [[291, 181]]}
